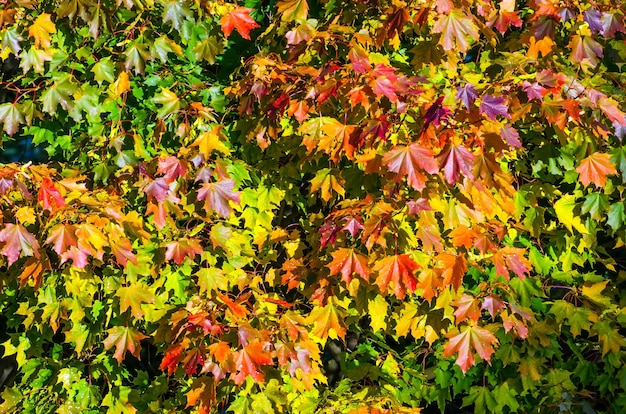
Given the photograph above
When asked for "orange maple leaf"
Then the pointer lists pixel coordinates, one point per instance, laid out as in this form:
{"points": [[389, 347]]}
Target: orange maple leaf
{"points": [[399, 269], [595, 168], [471, 339], [239, 19], [347, 262], [248, 361]]}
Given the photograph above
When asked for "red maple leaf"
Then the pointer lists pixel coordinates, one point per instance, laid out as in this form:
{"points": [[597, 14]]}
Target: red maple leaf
{"points": [[472, 339], [454, 159], [410, 161], [399, 269], [172, 168], [171, 358], [239, 19], [50, 196]]}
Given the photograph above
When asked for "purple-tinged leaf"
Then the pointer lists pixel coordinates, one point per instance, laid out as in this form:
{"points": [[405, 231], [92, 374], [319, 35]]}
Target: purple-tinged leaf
{"points": [[592, 17], [544, 27], [352, 226], [436, 113], [533, 90], [456, 158], [419, 205], [511, 136], [467, 94], [620, 130], [493, 106], [585, 51], [611, 24], [217, 196], [157, 189], [566, 14]]}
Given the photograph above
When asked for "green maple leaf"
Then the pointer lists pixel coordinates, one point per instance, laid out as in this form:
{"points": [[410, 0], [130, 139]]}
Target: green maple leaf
{"points": [[169, 101], [77, 335], [60, 92], [595, 204], [11, 116], [11, 39], [104, 70], [35, 59], [176, 14], [208, 50], [616, 216], [132, 297], [136, 56]]}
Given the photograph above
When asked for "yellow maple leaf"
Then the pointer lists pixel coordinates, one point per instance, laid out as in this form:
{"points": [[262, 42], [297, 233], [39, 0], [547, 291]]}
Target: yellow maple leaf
{"points": [[41, 29], [211, 140]]}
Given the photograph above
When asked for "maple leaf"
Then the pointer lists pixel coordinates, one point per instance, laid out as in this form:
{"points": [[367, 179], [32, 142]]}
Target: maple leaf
{"points": [[169, 100], [511, 258], [408, 160], [217, 196], [399, 269], [436, 113], [455, 28], [248, 361], [157, 189], [471, 339], [585, 51], [325, 180], [467, 94], [181, 249], [171, 358], [595, 168], [202, 389], [41, 29], [467, 307], [455, 159], [239, 19], [18, 242], [209, 141], [511, 136], [611, 110], [63, 236], [347, 262], [124, 339], [492, 106], [172, 168], [492, 304], [34, 268], [132, 297], [328, 321], [452, 268], [352, 226], [121, 246], [293, 10], [11, 116], [50, 196]]}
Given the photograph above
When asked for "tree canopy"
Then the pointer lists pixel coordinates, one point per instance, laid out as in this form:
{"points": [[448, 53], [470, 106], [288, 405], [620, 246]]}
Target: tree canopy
{"points": [[314, 206]]}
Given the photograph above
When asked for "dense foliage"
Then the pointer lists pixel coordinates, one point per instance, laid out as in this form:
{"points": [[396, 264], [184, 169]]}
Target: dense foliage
{"points": [[314, 206]]}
